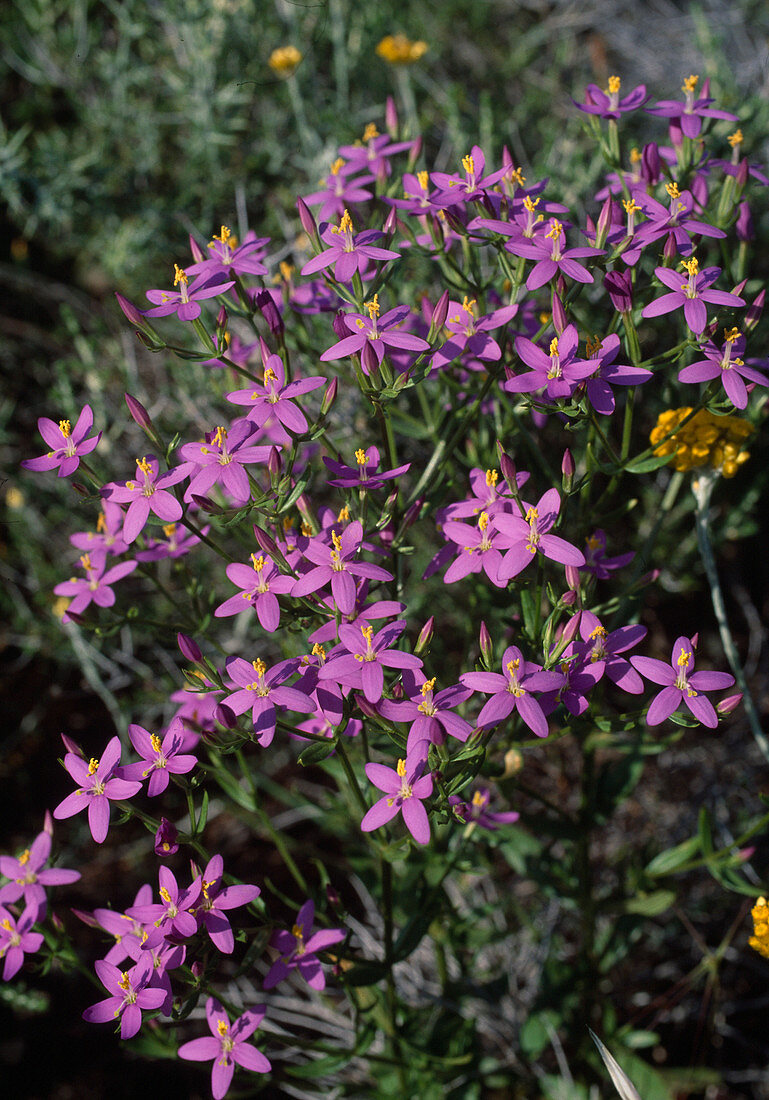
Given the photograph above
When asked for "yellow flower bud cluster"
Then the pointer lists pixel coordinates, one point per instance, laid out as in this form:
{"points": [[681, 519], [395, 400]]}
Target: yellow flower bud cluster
{"points": [[759, 941], [284, 60], [704, 440], [399, 50]]}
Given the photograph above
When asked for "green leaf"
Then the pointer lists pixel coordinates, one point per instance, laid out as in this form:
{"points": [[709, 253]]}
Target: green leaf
{"points": [[534, 1036], [203, 815], [646, 465], [667, 862], [316, 752], [650, 905]]}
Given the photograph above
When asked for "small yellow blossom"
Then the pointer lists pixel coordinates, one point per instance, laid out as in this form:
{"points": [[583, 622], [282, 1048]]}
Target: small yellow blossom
{"points": [[759, 941], [399, 50], [284, 60], [705, 440]]}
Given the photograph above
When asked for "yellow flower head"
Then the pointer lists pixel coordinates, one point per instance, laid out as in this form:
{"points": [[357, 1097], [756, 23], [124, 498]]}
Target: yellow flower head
{"points": [[284, 60], [759, 941], [704, 440], [399, 50]]}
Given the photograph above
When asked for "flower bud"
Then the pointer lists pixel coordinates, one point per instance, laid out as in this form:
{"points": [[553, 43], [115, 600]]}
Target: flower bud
{"points": [[487, 646], [166, 839], [265, 542], [670, 251], [134, 315], [567, 471], [333, 896], [221, 319], [744, 225], [274, 464], [48, 823], [754, 311], [189, 648], [72, 746], [620, 287], [651, 165], [507, 468], [138, 412], [366, 708], [572, 577], [675, 133], [412, 513], [266, 303], [341, 330], [560, 319], [196, 250], [197, 971], [391, 117], [605, 219], [425, 636], [329, 397], [440, 313], [368, 360], [391, 221], [307, 220], [414, 151], [726, 706], [206, 505]]}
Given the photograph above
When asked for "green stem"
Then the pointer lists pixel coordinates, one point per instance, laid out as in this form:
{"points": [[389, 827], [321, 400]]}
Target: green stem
{"points": [[702, 487]]}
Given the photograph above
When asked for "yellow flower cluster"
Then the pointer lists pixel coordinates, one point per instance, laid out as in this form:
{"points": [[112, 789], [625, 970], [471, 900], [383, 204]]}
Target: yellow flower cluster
{"points": [[284, 60], [704, 440], [759, 941], [399, 50]]}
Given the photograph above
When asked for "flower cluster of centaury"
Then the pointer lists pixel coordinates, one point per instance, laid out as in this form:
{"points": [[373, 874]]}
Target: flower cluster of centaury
{"points": [[355, 661]]}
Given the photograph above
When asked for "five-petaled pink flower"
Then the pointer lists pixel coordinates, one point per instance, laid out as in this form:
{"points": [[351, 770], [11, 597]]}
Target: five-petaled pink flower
{"points": [[680, 684], [375, 331], [405, 789], [227, 1046], [529, 537], [131, 995], [147, 493], [299, 950], [97, 785], [67, 444]]}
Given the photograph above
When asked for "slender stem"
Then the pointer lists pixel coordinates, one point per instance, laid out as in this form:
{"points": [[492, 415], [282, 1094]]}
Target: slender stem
{"points": [[702, 488]]}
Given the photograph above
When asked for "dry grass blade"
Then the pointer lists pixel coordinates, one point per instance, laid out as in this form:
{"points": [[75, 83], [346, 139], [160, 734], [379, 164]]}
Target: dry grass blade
{"points": [[620, 1079]]}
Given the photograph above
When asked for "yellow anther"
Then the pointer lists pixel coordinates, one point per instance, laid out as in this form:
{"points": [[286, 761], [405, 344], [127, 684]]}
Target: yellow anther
{"points": [[483, 521], [370, 132], [65, 428], [344, 515], [285, 269], [553, 346], [427, 686], [544, 317], [85, 561], [732, 334], [614, 85], [144, 466], [259, 666], [672, 190], [258, 562], [24, 857], [423, 179], [630, 206], [156, 743], [635, 155], [692, 265], [164, 895], [372, 307], [222, 1027], [735, 138], [220, 436], [269, 376], [689, 84], [401, 768], [683, 659], [180, 275], [593, 346], [225, 236], [469, 165], [318, 651], [530, 204], [337, 166], [169, 530], [517, 176], [345, 224], [492, 477], [93, 764], [599, 632], [532, 515], [367, 632], [480, 799], [125, 981], [554, 232], [361, 457], [336, 541], [468, 305]]}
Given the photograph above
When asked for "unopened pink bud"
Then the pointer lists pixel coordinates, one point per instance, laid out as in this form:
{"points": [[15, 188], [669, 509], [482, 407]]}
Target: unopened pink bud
{"points": [[507, 466], [329, 397], [265, 542], [72, 746], [755, 309], [572, 628], [138, 412], [567, 464], [425, 635], [726, 706], [57, 922], [333, 896], [670, 251], [414, 151], [48, 823], [368, 360], [196, 250], [742, 174], [744, 854], [197, 971], [368, 709], [605, 219], [440, 313], [222, 318], [412, 513], [572, 577], [391, 116], [487, 646], [568, 599], [134, 315], [274, 463], [306, 218], [225, 717], [341, 330], [189, 648], [391, 221], [560, 319], [266, 303]]}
